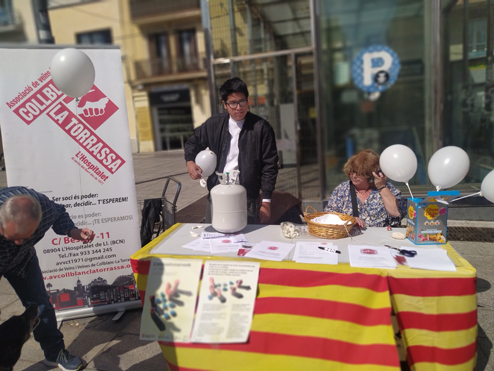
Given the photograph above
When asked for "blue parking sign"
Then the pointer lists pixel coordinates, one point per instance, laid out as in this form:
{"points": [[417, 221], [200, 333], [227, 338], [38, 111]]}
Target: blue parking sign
{"points": [[375, 68]]}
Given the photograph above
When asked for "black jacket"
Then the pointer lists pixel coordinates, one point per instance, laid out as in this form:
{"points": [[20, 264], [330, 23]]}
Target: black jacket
{"points": [[257, 159]]}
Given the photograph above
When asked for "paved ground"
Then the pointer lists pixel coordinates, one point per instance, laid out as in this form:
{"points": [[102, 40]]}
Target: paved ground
{"points": [[115, 345]]}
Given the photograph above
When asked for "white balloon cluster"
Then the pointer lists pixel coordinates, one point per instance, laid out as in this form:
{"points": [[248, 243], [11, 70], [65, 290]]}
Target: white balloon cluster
{"points": [[72, 72], [447, 167]]}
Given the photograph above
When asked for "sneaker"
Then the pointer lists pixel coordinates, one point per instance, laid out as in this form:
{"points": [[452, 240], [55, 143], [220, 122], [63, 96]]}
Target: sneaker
{"points": [[65, 361]]}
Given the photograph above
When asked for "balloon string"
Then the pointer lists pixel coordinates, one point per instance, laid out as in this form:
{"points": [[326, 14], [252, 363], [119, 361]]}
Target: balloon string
{"points": [[411, 194], [470, 195]]}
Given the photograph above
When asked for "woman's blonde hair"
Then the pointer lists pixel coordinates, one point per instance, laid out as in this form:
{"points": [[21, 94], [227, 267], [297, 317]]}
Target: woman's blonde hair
{"points": [[362, 163]]}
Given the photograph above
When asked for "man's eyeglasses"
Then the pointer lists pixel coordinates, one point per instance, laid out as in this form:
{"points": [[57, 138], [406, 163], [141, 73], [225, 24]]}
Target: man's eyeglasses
{"points": [[241, 103]]}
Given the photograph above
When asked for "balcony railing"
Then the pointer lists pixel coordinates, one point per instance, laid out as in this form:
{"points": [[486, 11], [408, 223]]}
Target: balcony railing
{"points": [[166, 67], [146, 8]]}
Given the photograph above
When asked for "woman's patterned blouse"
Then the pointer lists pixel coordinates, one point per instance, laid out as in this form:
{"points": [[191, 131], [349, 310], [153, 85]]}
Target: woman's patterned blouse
{"points": [[372, 211]]}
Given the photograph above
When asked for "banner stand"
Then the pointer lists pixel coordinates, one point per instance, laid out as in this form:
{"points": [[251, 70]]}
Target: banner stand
{"points": [[77, 152], [119, 308]]}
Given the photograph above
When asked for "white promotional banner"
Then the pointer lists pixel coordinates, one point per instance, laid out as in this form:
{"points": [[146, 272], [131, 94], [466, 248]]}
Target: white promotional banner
{"points": [[77, 153]]}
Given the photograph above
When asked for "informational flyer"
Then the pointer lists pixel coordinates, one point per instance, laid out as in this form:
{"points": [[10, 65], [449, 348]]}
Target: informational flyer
{"points": [[364, 256], [316, 253], [435, 259], [170, 301], [226, 302], [270, 250]]}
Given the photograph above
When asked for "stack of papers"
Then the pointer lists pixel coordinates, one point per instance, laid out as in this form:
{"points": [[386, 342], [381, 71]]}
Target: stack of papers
{"points": [[431, 259], [364, 256], [217, 243], [310, 252]]}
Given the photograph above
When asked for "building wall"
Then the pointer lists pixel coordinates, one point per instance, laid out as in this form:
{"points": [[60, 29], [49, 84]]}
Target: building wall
{"points": [[69, 20], [23, 29]]}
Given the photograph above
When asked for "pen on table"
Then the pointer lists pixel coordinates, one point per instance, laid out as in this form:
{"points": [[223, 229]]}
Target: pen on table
{"points": [[329, 249]]}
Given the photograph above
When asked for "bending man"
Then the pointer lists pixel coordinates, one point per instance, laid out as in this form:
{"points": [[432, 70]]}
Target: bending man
{"points": [[25, 217]]}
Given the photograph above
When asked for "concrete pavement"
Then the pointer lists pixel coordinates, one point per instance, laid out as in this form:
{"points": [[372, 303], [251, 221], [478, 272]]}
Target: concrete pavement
{"points": [[114, 345]]}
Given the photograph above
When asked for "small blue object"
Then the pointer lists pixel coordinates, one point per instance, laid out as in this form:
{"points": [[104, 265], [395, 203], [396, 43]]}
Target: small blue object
{"points": [[158, 301], [210, 297], [171, 305], [165, 307], [167, 316], [173, 313], [231, 283], [225, 289]]}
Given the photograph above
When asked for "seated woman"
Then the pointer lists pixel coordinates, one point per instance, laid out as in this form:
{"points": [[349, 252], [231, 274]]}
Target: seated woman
{"points": [[378, 202]]}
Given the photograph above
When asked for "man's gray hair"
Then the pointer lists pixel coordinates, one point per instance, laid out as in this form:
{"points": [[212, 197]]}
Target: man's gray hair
{"points": [[20, 209]]}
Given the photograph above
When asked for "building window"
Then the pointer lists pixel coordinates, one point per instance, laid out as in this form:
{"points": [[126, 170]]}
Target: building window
{"points": [[477, 37], [6, 14], [187, 50], [160, 54], [95, 37]]}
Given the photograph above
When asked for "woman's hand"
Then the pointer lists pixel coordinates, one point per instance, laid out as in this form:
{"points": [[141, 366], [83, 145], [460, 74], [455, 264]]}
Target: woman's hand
{"points": [[380, 179], [360, 222]]}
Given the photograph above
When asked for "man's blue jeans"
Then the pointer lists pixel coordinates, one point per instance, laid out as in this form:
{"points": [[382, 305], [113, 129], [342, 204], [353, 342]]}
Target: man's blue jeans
{"points": [[31, 289]]}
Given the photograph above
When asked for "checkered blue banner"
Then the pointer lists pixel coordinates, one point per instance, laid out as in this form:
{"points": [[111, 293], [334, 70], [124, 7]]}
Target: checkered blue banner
{"points": [[375, 68]]}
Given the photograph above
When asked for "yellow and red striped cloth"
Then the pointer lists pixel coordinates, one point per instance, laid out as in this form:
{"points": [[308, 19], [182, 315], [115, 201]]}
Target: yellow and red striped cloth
{"points": [[437, 315], [323, 317]]}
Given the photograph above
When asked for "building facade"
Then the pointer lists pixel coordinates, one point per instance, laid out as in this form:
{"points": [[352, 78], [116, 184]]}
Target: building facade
{"points": [[300, 60], [162, 48]]}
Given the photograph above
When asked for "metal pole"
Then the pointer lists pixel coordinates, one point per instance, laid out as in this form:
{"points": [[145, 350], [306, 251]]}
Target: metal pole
{"points": [[297, 126], [438, 74], [42, 21], [206, 25], [314, 7]]}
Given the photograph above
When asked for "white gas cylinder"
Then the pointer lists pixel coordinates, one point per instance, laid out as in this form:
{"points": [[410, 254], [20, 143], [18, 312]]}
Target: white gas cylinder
{"points": [[229, 205]]}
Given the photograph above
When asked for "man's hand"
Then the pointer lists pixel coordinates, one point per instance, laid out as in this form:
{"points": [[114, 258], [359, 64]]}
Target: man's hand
{"points": [[85, 235], [265, 213], [195, 171]]}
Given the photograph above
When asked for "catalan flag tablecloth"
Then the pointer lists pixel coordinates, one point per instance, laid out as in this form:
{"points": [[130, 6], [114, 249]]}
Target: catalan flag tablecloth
{"points": [[325, 317], [437, 315]]}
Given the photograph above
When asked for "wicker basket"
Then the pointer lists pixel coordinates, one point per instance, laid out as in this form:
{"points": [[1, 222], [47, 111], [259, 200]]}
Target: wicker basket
{"points": [[329, 231]]}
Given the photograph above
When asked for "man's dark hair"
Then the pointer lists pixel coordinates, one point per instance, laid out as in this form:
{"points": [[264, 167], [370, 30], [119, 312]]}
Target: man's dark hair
{"points": [[231, 86]]}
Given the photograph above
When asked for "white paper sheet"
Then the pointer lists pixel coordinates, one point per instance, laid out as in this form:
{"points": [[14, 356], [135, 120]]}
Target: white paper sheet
{"points": [[198, 245], [435, 259], [270, 250], [238, 237], [170, 301], [223, 245], [226, 302], [364, 256], [309, 252]]}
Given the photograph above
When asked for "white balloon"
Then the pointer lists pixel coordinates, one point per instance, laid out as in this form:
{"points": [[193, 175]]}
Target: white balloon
{"points": [[487, 187], [448, 166], [72, 72], [398, 162], [207, 161]]}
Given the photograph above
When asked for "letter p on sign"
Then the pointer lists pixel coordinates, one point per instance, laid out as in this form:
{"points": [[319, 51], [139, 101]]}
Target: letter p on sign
{"points": [[375, 68]]}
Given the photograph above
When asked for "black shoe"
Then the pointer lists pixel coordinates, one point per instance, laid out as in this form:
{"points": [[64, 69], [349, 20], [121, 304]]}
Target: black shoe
{"points": [[65, 361]]}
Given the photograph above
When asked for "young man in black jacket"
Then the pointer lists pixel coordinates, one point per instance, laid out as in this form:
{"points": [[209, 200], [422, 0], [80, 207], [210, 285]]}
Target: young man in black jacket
{"points": [[241, 141]]}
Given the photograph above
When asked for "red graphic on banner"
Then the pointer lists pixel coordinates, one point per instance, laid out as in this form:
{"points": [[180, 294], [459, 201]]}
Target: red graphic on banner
{"points": [[39, 103], [95, 108], [86, 138]]}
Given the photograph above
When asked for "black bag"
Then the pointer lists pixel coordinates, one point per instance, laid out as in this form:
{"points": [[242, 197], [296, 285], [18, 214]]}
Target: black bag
{"points": [[151, 216]]}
